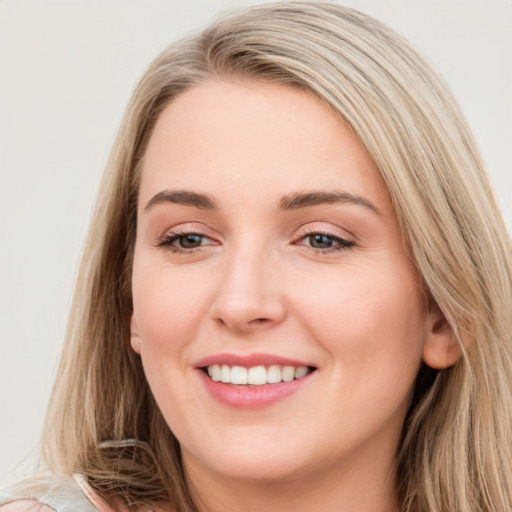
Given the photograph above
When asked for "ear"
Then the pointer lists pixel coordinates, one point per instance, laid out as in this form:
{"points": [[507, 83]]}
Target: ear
{"points": [[134, 335], [440, 349]]}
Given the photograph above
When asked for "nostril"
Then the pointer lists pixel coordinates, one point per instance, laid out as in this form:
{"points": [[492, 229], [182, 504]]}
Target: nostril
{"points": [[258, 321]]}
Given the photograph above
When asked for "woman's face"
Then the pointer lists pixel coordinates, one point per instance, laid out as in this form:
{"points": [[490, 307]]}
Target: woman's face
{"points": [[268, 249]]}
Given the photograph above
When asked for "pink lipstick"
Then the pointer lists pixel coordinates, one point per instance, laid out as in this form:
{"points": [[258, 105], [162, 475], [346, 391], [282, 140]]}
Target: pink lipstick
{"points": [[252, 381]]}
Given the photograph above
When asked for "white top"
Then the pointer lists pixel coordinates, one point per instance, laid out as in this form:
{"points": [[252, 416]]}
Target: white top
{"points": [[60, 493]]}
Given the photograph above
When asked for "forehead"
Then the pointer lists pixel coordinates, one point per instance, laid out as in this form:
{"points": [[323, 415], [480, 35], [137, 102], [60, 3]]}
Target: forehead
{"points": [[228, 137]]}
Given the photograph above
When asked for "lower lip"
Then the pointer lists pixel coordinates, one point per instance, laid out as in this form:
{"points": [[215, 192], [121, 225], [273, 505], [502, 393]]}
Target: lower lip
{"points": [[251, 397]]}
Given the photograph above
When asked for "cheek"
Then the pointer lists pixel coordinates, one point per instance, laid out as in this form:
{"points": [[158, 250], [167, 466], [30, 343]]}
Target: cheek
{"points": [[168, 304], [168, 307], [372, 328], [366, 316]]}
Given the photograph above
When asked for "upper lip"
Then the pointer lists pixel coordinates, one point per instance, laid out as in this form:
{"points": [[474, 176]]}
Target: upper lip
{"points": [[249, 360]]}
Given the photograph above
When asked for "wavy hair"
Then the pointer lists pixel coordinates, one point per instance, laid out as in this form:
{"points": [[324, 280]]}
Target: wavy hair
{"points": [[456, 449]]}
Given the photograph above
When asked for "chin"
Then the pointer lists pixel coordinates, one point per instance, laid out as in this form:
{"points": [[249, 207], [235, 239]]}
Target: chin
{"points": [[261, 462]]}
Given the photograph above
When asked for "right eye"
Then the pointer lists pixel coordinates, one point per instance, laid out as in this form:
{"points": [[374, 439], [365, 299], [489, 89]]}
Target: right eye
{"points": [[188, 241], [184, 242]]}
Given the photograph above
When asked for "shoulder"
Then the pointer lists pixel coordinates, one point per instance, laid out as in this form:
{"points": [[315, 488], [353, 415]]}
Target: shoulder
{"points": [[25, 506], [46, 493]]}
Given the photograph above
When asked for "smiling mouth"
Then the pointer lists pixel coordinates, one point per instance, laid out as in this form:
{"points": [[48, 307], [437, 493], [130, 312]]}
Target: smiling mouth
{"points": [[256, 375]]}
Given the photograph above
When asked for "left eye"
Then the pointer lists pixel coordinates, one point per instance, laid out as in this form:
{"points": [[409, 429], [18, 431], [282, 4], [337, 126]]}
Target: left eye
{"points": [[324, 241]]}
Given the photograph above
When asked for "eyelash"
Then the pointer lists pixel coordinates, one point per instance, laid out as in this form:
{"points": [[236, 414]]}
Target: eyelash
{"points": [[169, 239], [342, 243]]}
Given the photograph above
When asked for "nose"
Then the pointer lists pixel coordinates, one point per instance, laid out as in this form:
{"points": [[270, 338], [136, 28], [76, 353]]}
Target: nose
{"points": [[249, 297]]}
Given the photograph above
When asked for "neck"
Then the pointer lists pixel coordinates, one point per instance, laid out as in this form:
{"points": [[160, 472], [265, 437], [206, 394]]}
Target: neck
{"points": [[369, 487]]}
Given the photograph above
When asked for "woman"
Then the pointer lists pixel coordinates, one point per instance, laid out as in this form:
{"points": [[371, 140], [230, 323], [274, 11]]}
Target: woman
{"points": [[296, 290]]}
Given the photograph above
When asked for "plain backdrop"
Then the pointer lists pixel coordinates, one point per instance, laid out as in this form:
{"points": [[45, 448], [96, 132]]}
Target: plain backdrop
{"points": [[66, 72]]}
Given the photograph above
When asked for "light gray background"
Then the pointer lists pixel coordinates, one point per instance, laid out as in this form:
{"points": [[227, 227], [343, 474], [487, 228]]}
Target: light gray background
{"points": [[66, 71]]}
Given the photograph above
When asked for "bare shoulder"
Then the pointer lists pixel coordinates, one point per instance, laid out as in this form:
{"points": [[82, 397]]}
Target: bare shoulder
{"points": [[25, 506]]}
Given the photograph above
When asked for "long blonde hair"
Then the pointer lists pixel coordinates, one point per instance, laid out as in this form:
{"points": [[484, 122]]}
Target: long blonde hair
{"points": [[456, 450]]}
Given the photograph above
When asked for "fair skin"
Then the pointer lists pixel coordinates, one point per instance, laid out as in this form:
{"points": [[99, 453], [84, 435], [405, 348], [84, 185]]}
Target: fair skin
{"points": [[293, 251]]}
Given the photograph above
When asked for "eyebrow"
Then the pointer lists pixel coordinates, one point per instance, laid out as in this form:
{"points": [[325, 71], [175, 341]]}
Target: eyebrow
{"points": [[299, 200], [184, 197], [294, 201]]}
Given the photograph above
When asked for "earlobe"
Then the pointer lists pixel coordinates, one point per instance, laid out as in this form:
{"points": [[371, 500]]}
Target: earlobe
{"points": [[134, 335], [440, 350]]}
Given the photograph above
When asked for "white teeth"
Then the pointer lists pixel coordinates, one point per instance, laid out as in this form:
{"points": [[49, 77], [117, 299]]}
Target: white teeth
{"points": [[288, 373], [274, 374], [256, 375], [300, 372], [238, 375], [214, 372], [225, 374]]}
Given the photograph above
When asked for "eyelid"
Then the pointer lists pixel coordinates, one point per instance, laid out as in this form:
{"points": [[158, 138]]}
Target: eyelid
{"points": [[341, 237], [330, 230], [342, 242], [166, 239], [189, 227]]}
